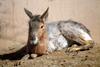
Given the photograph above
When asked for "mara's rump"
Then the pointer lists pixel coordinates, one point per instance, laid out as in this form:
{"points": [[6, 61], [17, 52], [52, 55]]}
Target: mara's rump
{"points": [[66, 33]]}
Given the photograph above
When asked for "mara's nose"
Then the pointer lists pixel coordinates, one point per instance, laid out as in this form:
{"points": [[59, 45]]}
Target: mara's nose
{"points": [[34, 40], [33, 37]]}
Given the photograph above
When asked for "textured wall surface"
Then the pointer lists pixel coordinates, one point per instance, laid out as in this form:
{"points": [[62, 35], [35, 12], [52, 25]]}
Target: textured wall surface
{"points": [[13, 20]]}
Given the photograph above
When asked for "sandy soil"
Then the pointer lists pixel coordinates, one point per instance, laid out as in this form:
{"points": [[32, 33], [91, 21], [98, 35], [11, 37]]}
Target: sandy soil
{"points": [[14, 31], [89, 58]]}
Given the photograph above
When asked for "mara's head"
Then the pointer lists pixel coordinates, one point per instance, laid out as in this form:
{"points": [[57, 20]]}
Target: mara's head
{"points": [[37, 26]]}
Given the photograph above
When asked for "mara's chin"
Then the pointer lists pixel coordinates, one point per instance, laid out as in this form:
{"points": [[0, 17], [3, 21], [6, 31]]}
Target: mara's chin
{"points": [[33, 43]]}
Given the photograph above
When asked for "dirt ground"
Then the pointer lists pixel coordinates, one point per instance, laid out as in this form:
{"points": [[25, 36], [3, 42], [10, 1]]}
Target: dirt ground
{"points": [[14, 31], [89, 58]]}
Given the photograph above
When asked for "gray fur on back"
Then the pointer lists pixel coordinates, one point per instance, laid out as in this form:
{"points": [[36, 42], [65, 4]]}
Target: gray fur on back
{"points": [[73, 24]]}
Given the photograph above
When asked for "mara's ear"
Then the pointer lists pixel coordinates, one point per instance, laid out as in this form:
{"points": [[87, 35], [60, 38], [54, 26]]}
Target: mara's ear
{"points": [[30, 15], [45, 14]]}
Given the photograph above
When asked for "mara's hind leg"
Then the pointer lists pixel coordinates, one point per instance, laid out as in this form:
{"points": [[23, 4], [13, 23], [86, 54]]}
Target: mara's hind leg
{"points": [[88, 44], [85, 44]]}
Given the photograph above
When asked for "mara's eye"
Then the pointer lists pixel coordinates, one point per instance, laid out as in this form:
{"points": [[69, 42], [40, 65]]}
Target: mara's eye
{"points": [[42, 26]]}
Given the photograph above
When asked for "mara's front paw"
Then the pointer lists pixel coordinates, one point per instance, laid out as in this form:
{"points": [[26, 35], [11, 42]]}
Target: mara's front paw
{"points": [[25, 57]]}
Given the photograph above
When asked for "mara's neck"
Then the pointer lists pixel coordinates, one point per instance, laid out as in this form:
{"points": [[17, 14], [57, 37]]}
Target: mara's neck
{"points": [[43, 39]]}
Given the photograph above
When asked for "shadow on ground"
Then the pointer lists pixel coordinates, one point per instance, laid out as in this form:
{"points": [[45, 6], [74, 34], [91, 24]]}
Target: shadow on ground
{"points": [[16, 55]]}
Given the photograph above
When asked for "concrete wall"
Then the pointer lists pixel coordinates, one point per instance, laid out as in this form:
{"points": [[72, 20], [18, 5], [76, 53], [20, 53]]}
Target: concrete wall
{"points": [[14, 21]]}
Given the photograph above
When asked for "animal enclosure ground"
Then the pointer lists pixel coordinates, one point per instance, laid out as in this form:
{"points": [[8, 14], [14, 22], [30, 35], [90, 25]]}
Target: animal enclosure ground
{"points": [[89, 58]]}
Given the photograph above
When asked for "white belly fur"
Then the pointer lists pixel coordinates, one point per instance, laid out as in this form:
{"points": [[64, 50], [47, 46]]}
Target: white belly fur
{"points": [[56, 40]]}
